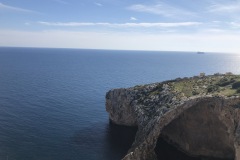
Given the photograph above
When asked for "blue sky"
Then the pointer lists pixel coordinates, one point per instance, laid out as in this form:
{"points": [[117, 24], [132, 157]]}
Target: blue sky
{"points": [[176, 25]]}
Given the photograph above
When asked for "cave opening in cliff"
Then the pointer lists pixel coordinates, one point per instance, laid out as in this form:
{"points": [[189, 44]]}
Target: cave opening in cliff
{"points": [[198, 132], [166, 151]]}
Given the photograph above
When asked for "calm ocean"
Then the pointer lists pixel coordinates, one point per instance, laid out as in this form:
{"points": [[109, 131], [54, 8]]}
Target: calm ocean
{"points": [[52, 101]]}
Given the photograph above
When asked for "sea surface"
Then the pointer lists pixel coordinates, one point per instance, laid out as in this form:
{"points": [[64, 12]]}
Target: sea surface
{"points": [[52, 101]]}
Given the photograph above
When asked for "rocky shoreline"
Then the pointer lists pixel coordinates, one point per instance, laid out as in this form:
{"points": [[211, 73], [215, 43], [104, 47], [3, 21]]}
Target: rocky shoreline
{"points": [[199, 115]]}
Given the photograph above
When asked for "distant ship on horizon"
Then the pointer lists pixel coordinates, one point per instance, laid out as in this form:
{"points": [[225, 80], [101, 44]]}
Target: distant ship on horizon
{"points": [[200, 52]]}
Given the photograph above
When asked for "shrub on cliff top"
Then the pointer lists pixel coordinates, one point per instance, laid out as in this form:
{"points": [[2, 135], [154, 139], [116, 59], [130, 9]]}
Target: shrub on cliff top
{"points": [[224, 82], [212, 88], [236, 85], [238, 90]]}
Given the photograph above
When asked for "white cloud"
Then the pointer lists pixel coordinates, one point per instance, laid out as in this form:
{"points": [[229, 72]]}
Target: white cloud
{"points": [[220, 42], [160, 9], [214, 30], [133, 19], [216, 21], [235, 24], [98, 4], [71, 24], [11, 8], [223, 8], [79, 24]]}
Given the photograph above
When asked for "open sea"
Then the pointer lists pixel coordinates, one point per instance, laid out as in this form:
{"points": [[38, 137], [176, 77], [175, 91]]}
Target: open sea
{"points": [[52, 101]]}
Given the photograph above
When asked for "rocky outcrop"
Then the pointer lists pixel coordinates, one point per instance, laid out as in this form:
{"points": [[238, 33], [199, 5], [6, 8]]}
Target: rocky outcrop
{"points": [[118, 104], [198, 115]]}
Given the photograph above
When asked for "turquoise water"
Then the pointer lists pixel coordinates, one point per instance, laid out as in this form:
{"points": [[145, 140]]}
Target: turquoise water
{"points": [[52, 101]]}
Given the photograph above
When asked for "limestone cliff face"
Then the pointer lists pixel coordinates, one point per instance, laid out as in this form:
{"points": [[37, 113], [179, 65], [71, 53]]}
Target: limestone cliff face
{"points": [[118, 104], [198, 115]]}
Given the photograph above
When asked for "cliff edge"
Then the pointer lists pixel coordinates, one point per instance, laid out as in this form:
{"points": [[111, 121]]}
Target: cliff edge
{"points": [[199, 115]]}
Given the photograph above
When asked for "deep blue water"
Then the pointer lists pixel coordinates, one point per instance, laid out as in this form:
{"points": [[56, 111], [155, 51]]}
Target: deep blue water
{"points": [[52, 101]]}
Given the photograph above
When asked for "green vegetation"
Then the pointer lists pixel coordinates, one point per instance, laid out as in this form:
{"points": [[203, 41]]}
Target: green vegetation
{"points": [[185, 87], [225, 81], [172, 91], [227, 92], [212, 88], [236, 85], [194, 92], [225, 85], [238, 90], [156, 90]]}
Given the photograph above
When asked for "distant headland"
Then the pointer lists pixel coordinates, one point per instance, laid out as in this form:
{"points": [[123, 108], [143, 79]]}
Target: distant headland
{"points": [[200, 52], [198, 115]]}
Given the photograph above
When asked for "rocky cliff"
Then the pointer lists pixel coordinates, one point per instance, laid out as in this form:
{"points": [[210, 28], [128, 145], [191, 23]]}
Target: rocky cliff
{"points": [[198, 115]]}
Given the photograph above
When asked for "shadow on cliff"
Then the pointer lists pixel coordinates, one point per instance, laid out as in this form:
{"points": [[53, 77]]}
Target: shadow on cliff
{"points": [[166, 151], [198, 130], [120, 138], [111, 141]]}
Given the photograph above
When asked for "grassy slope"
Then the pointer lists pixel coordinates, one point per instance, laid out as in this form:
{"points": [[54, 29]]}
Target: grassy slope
{"points": [[214, 85]]}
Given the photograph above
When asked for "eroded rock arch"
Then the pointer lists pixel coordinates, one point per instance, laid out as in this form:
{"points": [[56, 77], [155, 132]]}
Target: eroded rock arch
{"points": [[204, 129], [203, 125], [216, 117]]}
